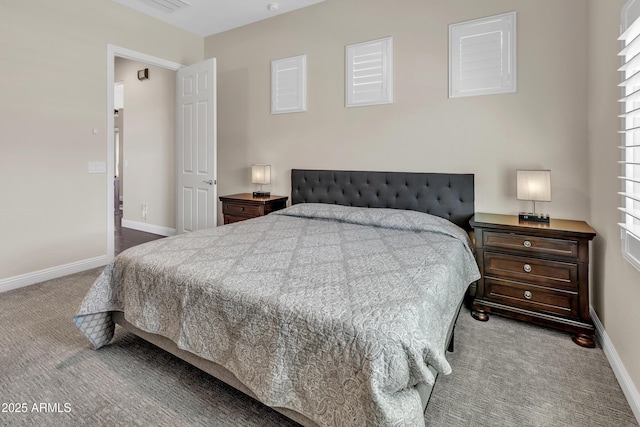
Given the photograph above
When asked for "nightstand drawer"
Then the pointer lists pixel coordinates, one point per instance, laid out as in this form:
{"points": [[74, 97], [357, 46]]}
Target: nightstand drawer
{"points": [[230, 219], [239, 209], [538, 245], [552, 274], [531, 297]]}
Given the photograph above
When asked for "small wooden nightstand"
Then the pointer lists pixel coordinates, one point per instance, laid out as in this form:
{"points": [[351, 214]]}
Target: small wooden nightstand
{"points": [[239, 207], [534, 272]]}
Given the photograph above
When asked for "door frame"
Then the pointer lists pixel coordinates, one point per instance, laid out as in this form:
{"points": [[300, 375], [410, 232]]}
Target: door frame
{"points": [[114, 51]]}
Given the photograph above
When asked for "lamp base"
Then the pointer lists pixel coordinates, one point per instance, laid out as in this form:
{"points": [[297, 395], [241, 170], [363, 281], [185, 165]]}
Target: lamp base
{"points": [[261, 194], [534, 217]]}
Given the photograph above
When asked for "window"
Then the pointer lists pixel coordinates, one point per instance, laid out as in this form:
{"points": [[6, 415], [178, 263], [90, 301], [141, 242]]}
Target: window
{"points": [[369, 73], [289, 85], [482, 56], [630, 146]]}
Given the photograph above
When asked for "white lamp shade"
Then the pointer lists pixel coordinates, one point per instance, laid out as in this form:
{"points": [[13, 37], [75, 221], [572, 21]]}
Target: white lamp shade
{"points": [[534, 185], [261, 174]]}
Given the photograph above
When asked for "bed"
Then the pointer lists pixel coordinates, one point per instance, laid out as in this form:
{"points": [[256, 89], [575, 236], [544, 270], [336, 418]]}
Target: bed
{"points": [[329, 311]]}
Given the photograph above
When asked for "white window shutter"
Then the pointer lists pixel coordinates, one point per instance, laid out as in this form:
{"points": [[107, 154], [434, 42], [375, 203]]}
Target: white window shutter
{"points": [[369, 73], [630, 131], [289, 85], [482, 56]]}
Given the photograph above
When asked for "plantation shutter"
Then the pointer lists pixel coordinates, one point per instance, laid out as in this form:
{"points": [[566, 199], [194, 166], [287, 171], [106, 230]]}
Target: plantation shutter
{"points": [[482, 56], [289, 85], [630, 147], [369, 79]]}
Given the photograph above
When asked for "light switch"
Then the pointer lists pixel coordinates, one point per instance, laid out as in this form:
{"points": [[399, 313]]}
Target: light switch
{"points": [[97, 167]]}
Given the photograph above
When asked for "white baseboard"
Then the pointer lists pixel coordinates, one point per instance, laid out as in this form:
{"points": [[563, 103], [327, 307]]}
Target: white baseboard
{"points": [[51, 273], [626, 383], [149, 228]]}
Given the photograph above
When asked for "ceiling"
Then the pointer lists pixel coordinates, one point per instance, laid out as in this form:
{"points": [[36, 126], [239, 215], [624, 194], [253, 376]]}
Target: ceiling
{"points": [[206, 17]]}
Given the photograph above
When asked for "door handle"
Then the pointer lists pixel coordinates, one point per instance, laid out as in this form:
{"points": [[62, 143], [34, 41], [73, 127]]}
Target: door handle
{"points": [[210, 182]]}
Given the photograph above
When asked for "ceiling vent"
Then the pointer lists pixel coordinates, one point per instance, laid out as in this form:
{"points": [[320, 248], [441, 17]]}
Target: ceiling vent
{"points": [[167, 6]]}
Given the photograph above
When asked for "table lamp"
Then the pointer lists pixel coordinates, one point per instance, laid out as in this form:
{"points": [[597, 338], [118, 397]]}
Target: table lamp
{"points": [[261, 174], [534, 185]]}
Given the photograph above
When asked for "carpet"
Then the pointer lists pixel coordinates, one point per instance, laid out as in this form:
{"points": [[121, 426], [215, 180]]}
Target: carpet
{"points": [[505, 373]]}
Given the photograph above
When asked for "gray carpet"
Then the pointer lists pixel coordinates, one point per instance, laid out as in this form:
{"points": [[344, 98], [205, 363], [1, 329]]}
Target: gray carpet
{"points": [[505, 373]]}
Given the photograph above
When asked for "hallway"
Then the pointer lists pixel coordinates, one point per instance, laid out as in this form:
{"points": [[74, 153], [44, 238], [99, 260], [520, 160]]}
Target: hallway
{"points": [[126, 238]]}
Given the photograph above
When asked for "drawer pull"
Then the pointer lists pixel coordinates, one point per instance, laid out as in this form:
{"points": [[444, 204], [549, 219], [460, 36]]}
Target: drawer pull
{"points": [[527, 244], [527, 268], [242, 208], [527, 294]]}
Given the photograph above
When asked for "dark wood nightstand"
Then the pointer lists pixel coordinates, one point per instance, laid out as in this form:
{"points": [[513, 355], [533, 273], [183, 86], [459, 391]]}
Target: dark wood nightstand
{"points": [[239, 207], [534, 272]]}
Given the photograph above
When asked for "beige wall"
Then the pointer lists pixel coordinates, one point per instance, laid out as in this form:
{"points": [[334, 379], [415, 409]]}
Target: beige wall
{"points": [[543, 125], [53, 67], [148, 143], [616, 284]]}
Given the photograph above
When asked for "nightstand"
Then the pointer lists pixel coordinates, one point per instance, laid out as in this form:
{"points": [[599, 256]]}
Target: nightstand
{"points": [[239, 207], [534, 272]]}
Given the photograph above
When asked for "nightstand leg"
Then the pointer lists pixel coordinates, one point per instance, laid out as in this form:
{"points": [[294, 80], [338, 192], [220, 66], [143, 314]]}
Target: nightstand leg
{"points": [[584, 340], [480, 315]]}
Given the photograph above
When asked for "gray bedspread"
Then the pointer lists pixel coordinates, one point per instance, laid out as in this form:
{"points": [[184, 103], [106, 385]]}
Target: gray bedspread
{"points": [[332, 311]]}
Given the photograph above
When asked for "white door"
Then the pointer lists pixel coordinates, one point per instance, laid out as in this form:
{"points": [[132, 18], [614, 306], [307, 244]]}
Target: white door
{"points": [[196, 147]]}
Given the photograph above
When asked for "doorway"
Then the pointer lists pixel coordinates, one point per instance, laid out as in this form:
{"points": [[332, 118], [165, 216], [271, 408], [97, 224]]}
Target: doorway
{"points": [[114, 52]]}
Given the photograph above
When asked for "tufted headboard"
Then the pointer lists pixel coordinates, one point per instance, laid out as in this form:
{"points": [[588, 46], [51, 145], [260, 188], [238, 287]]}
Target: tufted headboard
{"points": [[449, 196]]}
